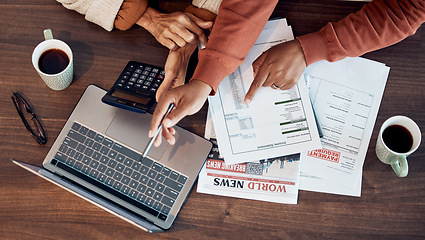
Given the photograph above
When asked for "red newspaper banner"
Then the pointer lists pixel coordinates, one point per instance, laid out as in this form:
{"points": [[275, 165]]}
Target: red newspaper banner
{"points": [[220, 165]]}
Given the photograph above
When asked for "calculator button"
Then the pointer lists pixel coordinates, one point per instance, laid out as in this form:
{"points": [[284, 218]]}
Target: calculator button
{"points": [[150, 79], [161, 77], [143, 77], [133, 79], [162, 72], [127, 73], [145, 72], [148, 68], [138, 71], [147, 83], [155, 70]]}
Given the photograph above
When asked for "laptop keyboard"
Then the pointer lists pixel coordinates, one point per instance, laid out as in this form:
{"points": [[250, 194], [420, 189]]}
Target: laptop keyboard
{"points": [[118, 170]]}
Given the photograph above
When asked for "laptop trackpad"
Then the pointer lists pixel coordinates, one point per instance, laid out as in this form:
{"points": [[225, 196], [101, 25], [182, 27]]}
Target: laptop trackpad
{"points": [[132, 129]]}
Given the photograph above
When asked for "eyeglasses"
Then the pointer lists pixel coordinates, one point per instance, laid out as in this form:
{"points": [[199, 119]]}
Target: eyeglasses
{"points": [[37, 132]]}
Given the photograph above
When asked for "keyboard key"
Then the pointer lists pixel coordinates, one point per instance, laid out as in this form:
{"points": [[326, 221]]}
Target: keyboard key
{"points": [[151, 174], [182, 179], [112, 163], [174, 175], [133, 184], [96, 155], [150, 192], [117, 176], [166, 171], [104, 150], [165, 210], [99, 138], [128, 162], [173, 184], [86, 160], [109, 172], [83, 130], [107, 142], [102, 168], [120, 167], [63, 148], [152, 183], [167, 201], [70, 142], [104, 159], [157, 196], [128, 171], [159, 187], [76, 136], [97, 146], [88, 152], [125, 180], [147, 162], [136, 166], [75, 126], [91, 134], [144, 170], [157, 167], [81, 147], [160, 178], [94, 164], [136, 175], [60, 157], [171, 193]]}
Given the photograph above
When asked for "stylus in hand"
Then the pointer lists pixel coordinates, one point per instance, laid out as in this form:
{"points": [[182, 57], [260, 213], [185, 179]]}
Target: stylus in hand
{"points": [[150, 144]]}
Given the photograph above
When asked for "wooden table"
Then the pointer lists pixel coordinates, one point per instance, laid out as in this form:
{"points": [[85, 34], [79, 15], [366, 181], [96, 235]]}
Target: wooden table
{"points": [[32, 208]]}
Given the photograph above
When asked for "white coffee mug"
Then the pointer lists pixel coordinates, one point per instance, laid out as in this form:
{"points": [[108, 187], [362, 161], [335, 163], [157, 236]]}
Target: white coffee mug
{"points": [[62, 79], [389, 146]]}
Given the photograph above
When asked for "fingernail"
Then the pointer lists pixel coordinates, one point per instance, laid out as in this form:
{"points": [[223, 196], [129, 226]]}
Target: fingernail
{"points": [[150, 134], [247, 101]]}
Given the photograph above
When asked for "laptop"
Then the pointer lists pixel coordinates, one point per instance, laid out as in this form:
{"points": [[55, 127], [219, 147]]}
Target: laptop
{"points": [[97, 156]]}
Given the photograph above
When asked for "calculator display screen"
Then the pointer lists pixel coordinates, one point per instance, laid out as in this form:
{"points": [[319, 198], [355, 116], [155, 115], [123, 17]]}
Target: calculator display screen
{"points": [[137, 99]]}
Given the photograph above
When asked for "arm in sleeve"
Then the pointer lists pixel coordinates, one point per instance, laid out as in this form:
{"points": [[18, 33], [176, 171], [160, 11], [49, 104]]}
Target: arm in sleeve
{"points": [[237, 27], [378, 24]]}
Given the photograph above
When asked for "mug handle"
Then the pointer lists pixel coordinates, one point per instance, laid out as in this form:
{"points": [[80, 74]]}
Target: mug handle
{"points": [[48, 34], [400, 166]]}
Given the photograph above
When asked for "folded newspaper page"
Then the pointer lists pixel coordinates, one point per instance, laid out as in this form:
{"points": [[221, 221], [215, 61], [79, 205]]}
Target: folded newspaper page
{"points": [[271, 180]]}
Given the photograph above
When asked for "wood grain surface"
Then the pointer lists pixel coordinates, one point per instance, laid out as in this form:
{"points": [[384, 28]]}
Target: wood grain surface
{"points": [[32, 208]]}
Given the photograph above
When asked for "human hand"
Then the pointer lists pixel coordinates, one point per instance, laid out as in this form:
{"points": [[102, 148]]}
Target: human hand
{"points": [[176, 68], [187, 99], [174, 30], [279, 67]]}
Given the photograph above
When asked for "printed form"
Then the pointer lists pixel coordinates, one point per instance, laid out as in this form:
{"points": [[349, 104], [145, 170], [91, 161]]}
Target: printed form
{"points": [[346, 96], [275, 123]]}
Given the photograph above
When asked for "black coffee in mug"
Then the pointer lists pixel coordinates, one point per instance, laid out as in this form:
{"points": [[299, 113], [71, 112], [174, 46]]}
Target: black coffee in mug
{"points": [[398, 138], [53, 61]]}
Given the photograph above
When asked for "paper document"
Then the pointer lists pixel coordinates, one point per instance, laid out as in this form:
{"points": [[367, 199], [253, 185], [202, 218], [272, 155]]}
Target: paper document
{"points": [[275, 123], [346, 96], [272, 180]]}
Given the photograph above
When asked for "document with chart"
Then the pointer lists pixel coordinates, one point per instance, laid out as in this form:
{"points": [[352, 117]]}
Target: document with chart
{"points": [[275, 123]]}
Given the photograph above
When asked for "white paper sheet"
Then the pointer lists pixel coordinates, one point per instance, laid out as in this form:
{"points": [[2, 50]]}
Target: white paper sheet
{"points": [[346, 96], [275, 123]]}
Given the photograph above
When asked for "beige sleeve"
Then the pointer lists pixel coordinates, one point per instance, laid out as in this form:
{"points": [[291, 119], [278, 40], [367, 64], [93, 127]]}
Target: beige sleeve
{"points": [[100, 12]]}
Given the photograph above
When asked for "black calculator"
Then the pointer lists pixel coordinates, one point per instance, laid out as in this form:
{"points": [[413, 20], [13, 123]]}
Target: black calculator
{"points": [[136, 87]]}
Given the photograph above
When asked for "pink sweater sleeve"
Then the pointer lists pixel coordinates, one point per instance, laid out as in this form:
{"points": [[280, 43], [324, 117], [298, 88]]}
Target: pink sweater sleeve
{"points": [[237, 27], [378, 24]]}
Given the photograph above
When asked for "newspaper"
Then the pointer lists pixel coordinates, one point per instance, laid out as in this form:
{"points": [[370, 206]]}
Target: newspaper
{"points": [[272, 180]]}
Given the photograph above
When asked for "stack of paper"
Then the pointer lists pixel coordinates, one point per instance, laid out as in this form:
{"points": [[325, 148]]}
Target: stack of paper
{"points": [[263, 144]]}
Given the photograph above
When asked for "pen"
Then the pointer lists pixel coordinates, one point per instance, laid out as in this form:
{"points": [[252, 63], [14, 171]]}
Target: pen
{"points": [[150, 144]]}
